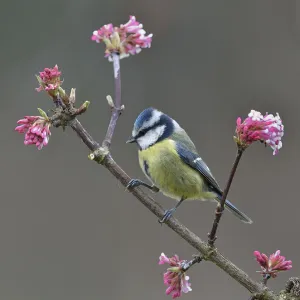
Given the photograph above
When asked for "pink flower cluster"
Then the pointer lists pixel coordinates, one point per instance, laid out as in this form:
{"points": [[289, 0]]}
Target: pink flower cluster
{"points": [[127, 39], [36, 129], [256, 127], [49, 79], [272, 265], [175, 278]]}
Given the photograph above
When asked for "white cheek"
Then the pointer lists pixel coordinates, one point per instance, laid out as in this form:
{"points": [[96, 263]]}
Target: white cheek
{"points": [[151, 137]]}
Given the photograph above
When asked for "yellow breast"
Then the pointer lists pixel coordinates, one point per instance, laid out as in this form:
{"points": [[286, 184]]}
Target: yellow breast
{"points": [[169, 173]]}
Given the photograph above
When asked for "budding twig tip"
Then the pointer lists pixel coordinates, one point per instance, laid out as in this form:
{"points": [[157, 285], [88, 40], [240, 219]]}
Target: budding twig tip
{"points": [[86, 104], [72, 97], [91, 156], [110, 101]]}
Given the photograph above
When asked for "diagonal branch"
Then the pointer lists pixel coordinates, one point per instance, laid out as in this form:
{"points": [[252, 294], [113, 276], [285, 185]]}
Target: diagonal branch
{"points": [[212, 255], [101, 155]]}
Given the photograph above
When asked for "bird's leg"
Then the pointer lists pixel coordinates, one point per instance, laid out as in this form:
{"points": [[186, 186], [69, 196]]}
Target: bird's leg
{"points": [[136, 182], [168, 213]]}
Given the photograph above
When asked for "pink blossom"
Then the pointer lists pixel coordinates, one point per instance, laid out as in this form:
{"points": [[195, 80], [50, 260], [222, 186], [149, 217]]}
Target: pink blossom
{"points": [[272, 265], [175, 278], [36, 129], [132, 26], [48, 74], [103, 33], [256, 127], [51, 87], [163, 259], [49, 80], [127, 39]]}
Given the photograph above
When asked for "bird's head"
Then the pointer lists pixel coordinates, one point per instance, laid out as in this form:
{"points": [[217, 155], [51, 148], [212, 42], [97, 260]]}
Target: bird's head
{"points": [[150, 127]]}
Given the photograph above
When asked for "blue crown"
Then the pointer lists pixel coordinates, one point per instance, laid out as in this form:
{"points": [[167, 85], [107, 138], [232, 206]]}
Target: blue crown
{"points": [[144, 116]]}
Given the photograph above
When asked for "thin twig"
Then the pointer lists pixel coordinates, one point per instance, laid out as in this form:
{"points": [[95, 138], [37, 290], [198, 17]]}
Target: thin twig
{"points": [[116, 109], [84, 135], [220, 208], [214, 256], [265, 279], [197, 259]]}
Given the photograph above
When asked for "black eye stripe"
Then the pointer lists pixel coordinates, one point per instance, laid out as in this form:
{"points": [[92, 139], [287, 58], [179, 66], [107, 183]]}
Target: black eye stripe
{"points": [[164, 120], [141, 133], [144, 131]]}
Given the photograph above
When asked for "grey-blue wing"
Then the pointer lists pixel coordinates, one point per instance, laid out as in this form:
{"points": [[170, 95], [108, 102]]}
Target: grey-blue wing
{"points": [[195, 161]]}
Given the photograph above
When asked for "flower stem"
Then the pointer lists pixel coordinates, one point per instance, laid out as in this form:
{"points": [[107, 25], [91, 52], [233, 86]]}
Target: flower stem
{"points": [[116, 110], [220, 208], [266, 278], [187, 265]]}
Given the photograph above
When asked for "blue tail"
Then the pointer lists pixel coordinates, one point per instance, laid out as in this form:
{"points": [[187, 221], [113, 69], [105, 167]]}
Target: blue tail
{"points": [[229, 206]]}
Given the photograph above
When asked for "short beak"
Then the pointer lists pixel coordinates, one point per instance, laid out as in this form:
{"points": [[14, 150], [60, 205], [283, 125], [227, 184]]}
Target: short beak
{"points": [[131, 140]]}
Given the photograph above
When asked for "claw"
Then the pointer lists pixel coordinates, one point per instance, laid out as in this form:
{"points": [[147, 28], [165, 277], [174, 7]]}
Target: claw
{"points": [[155, 189], [132, 183], [167, 215], [136, 182]]}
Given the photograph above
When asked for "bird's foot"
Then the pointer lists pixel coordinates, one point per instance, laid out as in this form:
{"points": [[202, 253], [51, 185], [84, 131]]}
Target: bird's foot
{"points": [[133, 183], [167, 215], [136, 182]]}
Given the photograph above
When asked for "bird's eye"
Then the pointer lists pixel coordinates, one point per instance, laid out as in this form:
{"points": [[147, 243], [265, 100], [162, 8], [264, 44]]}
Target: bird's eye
{"points": [[142, 132]]}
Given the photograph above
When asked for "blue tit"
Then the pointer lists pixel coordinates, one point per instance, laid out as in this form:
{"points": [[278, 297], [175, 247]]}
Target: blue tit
{"points": [[169, 158]]}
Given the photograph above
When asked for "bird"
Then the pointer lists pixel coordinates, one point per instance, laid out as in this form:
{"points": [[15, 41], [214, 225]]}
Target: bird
{"points": [[170, 160]]}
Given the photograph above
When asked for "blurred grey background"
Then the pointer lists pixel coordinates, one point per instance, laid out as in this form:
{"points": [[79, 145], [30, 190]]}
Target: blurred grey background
{"points": [[68, 229]]}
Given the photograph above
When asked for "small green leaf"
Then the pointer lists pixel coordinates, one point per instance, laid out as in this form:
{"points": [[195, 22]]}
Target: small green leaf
{"points": [[39, 80], [86, 104], [174, 269], [43, 114]]}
